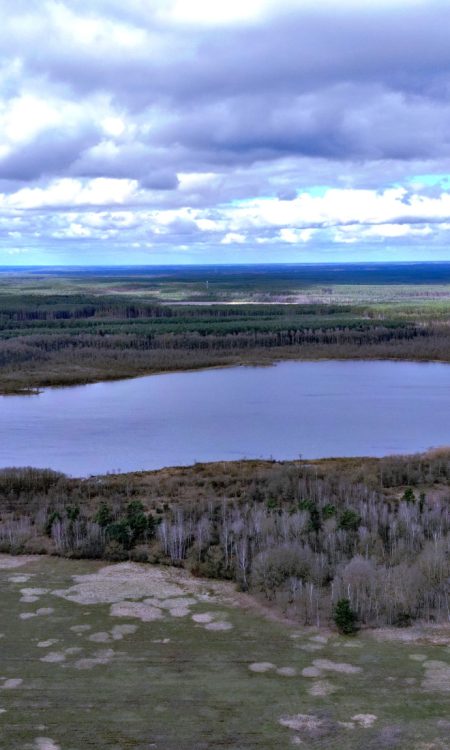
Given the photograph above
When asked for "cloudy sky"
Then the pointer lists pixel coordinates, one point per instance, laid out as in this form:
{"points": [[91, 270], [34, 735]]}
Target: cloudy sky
{"points": [[195, 131]]}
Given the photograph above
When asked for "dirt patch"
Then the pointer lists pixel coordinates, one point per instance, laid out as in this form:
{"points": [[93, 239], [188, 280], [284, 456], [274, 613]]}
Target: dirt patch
{"points": [[261, 666], [177, 602], [364, 720], [12, 683], [99, 658], [45, 743], [322, 688], [437, 676], [203, 618], [138, 610], [48, 643], [54, 657], [115, 583], [333, 666], [119, 631], [287, 671], [436, 635], [100, 637], [9, 562], [302, 722], [179, 612], [33, 592], [311, 672], [219, 625]]}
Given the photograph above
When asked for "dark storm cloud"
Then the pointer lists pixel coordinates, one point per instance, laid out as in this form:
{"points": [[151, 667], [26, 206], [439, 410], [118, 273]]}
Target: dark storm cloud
{"points": [[338, 83], [49, 153]]}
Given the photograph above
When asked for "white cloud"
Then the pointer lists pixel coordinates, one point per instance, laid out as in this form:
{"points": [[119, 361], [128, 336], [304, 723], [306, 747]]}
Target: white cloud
{"points": [[70, 192], [233, 238]]}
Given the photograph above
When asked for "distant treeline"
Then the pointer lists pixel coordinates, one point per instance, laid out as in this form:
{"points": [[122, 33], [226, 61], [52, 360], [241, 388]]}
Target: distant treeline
{"points": [[120, 338], [300, 534]]}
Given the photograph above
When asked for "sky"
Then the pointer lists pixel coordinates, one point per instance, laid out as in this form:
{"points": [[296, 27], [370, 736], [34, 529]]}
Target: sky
{"points": [[224, 131]]}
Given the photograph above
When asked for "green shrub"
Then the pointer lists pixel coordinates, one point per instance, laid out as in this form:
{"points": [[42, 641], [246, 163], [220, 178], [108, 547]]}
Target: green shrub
{"points": [[344, 617], [349, 520]]}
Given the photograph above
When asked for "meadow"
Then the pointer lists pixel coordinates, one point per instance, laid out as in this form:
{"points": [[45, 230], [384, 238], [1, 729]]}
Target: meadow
{"points": [[129, 656]]}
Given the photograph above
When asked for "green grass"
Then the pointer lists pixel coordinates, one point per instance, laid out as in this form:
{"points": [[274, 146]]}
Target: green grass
{"points": [[196, 690]]}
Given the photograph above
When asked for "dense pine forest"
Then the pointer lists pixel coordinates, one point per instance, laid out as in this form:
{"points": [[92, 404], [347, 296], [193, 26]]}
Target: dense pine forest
{"points": [[300, 535], [65, 330]]}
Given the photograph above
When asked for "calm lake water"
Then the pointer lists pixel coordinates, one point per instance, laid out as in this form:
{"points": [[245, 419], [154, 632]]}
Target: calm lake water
{"points": [[308, 409]]}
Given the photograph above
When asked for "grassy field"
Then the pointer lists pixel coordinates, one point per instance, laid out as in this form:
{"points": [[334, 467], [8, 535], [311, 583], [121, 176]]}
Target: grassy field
{"points": [[139, 657], [76, 326]]}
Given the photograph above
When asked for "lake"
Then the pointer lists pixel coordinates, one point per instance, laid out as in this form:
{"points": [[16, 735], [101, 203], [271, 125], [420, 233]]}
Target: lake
{"points": [[292, 409]]}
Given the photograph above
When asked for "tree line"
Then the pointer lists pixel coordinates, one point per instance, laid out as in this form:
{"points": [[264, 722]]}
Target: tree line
{"points": [[302, 535]]}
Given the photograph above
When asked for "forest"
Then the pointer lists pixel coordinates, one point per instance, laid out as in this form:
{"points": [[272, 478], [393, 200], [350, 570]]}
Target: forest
{"points": [[300, 535], [90, 326]]}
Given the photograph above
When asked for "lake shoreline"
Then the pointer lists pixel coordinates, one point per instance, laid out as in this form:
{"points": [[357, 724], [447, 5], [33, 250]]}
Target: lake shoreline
{"points": [[270, 362], [307, 409]]}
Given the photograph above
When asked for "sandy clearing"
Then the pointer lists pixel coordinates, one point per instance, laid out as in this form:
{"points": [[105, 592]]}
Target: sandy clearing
{"points": [[301, 722], [435, 664], [138, 610], [311, 672], [45, 743], [33, 591], [9, 562], [99, 658], [100, 637], [219, 625], [261, 666], [12, 683], [322, 688], [437, 676], [80, 628], [331, 666], [437, 635], [287, 671], [54, 657], [178, 601], [364, 720], [179, 612], [119, 631], [203, 618], [115, 583]]}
